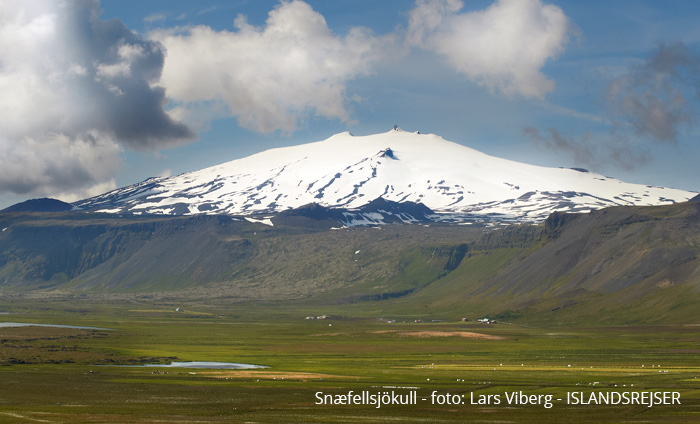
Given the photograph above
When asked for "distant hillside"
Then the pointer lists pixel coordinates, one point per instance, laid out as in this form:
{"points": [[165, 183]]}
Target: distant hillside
{"points": [[617, 265], [377, 212], [613, 266], [298, 256], [39, 205]]}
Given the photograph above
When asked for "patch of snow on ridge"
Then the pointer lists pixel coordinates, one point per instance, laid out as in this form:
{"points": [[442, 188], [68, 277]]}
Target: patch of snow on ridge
{"points": [[266, 221]]}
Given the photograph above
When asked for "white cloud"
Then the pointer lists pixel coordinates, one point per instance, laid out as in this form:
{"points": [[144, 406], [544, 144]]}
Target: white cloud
{"points": [[503, 47], [155, 17], [114, 70], [74, 89], [58, 165], [273, 76]]}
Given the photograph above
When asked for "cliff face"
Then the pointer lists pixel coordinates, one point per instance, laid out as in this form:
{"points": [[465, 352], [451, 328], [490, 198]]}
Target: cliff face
{"points": [[628, 264], [290, 256], [636, 263], [108, 252]]}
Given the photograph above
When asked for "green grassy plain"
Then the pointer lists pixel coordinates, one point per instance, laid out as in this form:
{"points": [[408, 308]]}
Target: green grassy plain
{"points": [[53, 374]]}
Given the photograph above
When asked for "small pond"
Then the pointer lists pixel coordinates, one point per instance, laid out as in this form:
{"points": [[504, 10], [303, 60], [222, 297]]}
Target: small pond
{"points": [[200, 365], [31, 324]]}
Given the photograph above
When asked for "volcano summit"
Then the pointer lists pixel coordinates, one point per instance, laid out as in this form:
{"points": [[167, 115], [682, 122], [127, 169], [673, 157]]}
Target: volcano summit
{"points": [[346, 171]]}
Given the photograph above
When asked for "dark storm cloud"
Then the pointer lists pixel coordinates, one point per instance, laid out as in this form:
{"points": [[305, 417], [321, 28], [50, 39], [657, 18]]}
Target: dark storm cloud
{"points": [[76, 90], [120, 68], [58, 165], [590, 151], [582, 153], [651, 101], [657, 96]]}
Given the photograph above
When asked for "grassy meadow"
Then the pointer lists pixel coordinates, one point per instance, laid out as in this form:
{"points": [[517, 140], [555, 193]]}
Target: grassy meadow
{"points": [[64, 375]]}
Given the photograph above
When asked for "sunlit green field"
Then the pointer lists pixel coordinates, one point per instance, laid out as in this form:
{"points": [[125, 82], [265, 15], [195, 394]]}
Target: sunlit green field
{"points": [[70, 375]]}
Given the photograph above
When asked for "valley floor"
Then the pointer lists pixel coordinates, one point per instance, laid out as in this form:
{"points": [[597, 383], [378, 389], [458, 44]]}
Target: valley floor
{"points": [[456, 371]]}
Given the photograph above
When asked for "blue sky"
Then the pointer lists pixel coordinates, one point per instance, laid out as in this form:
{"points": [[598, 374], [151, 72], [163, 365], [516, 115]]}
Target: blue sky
{"points": [[99, 95]]}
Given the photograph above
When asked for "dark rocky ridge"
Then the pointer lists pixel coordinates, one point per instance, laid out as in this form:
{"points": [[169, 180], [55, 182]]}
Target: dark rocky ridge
{"points": [[39, 205]]}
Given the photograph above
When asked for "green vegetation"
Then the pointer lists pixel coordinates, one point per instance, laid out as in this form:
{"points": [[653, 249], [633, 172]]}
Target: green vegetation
{"points": [[52, 374], [595, 303]]}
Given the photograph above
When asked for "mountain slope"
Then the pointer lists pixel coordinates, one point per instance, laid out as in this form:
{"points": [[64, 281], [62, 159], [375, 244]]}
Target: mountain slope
{"points": [[617, 265], [217, 257], [348, 171], [106, 253], [621, 265]]}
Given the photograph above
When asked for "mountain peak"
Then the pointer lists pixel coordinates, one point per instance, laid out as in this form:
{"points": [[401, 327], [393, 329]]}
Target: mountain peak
{"points": [[346, 171], [388, 153]]}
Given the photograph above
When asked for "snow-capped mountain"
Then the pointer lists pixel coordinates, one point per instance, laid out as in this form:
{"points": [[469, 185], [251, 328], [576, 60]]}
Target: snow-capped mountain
{"points": [[348, 172]]}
